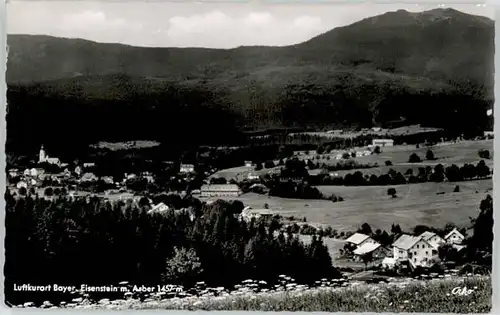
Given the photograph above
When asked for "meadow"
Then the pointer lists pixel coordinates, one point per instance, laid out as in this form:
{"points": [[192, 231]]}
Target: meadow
{"points": [[446, 153], [433, 204], [438, 295]]}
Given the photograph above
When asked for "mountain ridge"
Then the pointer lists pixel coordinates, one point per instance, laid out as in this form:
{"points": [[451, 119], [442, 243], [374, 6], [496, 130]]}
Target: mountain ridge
{"points": [[424, 67]]}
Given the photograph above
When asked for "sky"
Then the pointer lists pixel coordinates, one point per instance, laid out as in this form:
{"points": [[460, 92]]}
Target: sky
{"points": [[195, 24]]}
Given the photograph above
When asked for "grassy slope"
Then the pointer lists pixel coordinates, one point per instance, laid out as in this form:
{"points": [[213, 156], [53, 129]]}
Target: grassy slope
{"points": [[424, 297], [417, 204], [448, 154]]}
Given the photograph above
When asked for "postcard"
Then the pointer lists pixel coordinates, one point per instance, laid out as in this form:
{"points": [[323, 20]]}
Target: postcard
{"points": [[256, 156]]}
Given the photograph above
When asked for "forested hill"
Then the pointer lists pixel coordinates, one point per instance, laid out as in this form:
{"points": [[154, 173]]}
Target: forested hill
{"points": [[419, 67]]}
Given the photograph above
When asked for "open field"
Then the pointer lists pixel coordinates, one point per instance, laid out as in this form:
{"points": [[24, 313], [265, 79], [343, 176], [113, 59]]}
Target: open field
{"points": [[240, 173], [447, 153], [416, 204]]}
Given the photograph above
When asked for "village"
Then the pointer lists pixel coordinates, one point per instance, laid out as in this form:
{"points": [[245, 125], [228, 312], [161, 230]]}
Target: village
{"points": [[353, 250]]}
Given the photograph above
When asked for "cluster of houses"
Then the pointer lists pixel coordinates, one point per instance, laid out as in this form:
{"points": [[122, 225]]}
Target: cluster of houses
{"points": [[34, 177], [419, 250]]}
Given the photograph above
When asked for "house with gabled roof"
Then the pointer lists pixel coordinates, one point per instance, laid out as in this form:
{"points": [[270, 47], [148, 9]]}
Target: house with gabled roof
{"points": [[376, 250], [432, 238], [359, 239], [186, 168], [161, 207], [415, 250], [454, 237], [220, 190]]}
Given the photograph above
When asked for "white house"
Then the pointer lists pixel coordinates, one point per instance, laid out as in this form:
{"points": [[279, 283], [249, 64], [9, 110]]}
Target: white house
{"points": [[433, 239], [88, 165], [108, 179], [415, 250], [13, 173], [21, 184], [248, 164], [252, 176], [383, 142], [78, 170], [161, 207], [454, 237], [359, 239], [186, 168], [88, 177], [35, 172], [248, 214]]}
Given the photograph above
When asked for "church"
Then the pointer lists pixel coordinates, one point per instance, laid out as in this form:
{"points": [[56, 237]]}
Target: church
{"points": [[44, 158]]}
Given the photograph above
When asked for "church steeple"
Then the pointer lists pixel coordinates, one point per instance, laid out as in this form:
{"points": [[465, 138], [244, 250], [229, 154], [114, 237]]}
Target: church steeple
{"points": [[42, 156]]}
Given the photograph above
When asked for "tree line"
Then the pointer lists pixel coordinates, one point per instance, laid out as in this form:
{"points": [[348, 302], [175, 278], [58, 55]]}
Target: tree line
{"points": [[437, 174], [74, 241]]}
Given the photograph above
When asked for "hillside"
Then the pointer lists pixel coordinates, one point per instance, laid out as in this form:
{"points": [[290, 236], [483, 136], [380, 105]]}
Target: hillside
{"points": [[422, 67]]}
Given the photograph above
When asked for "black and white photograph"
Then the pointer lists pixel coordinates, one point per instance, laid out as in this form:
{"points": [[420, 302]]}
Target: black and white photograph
{"points": [[256, 156]]}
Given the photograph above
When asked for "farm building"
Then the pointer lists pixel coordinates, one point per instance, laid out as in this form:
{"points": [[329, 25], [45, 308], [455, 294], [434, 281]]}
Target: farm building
{"points": [[186, 168], [248, 214], [432, 238], [376, 250], [359, 239], [383, 142], [454, 237], [248, 164], [252, 176], [220, 190], [415, 250], [88, 165]]}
